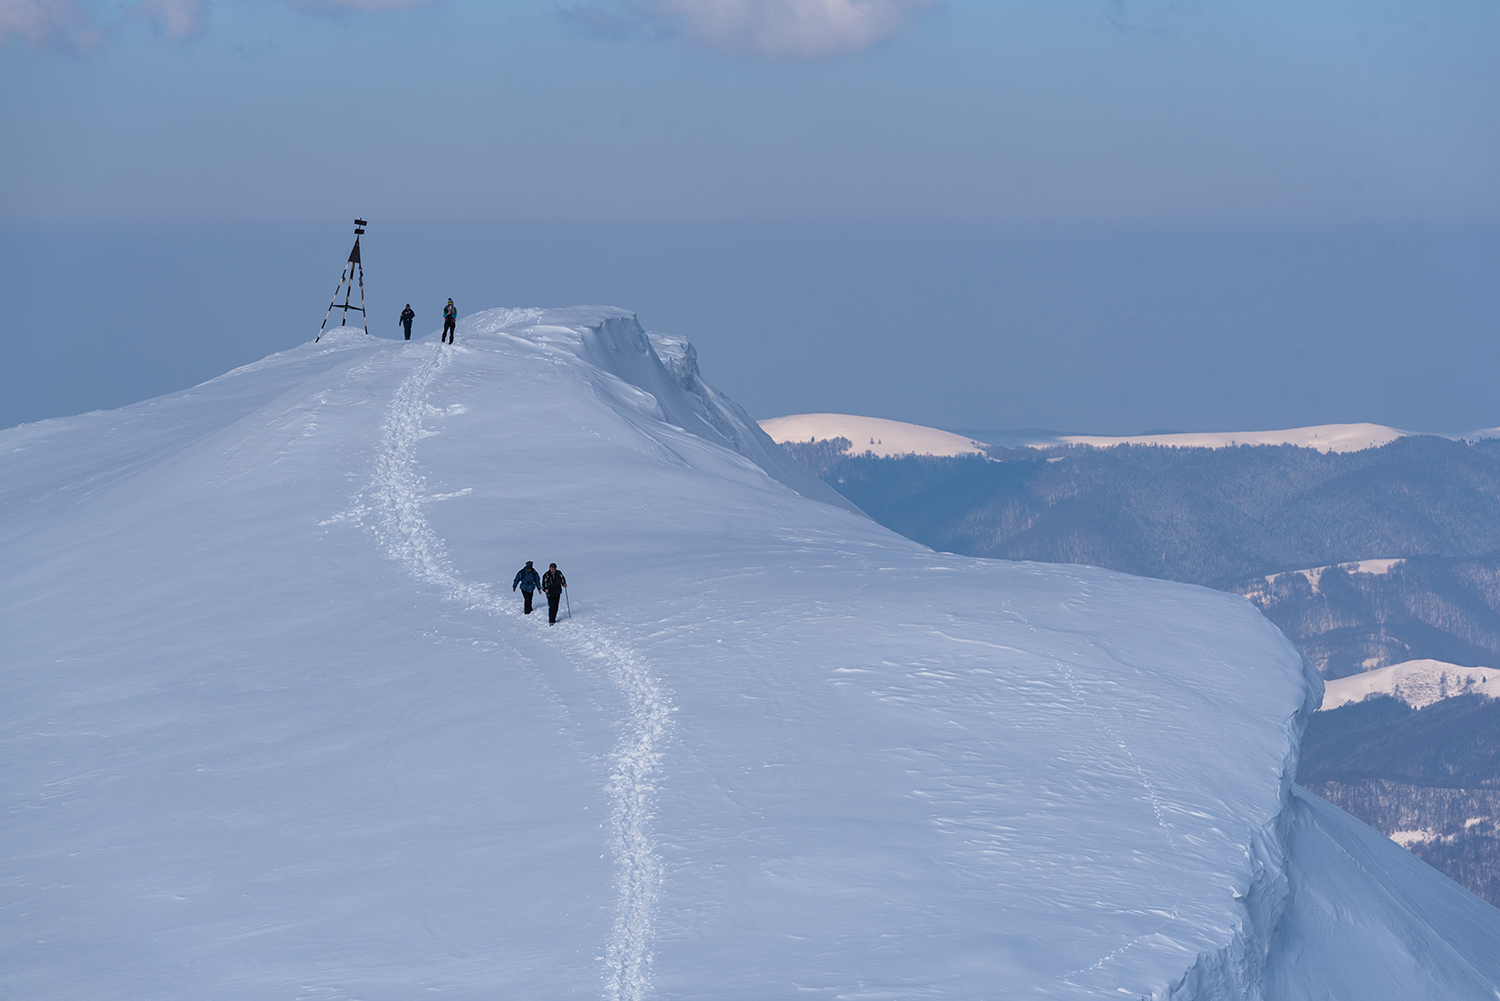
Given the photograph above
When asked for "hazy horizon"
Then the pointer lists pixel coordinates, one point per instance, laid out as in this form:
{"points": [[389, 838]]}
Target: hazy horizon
{"points": [[1104, 216], [1104, 331]]}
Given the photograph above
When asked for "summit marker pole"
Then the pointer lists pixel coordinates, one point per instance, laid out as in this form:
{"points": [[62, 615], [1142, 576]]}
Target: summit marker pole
{"points": [[352, 267]]}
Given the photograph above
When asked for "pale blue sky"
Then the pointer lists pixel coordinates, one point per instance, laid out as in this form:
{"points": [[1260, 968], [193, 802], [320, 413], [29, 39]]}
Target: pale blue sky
{"points": [[1076, 110], [919, 148]]}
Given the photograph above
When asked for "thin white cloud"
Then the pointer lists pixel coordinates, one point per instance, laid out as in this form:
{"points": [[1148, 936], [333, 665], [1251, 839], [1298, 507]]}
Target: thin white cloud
{"points": [[333, 6], [176, 18], [767, 29], [784, 29], [600, 23], [49, 24], [69, 25]]}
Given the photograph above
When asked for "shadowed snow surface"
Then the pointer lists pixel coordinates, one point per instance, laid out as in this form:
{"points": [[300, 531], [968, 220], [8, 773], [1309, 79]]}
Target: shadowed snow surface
{"points": [[275, 726]]}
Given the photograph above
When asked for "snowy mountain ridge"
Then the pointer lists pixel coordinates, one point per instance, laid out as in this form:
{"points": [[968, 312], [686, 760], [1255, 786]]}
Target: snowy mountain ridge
{"points": [[277, 729], [918, 439], [667, 369]]}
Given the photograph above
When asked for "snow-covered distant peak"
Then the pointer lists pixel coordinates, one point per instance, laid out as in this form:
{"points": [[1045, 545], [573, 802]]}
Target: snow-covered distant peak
{"points": [[887, 438], [1314, 575], [1323, 437], [1418, 683], [871, 434]]}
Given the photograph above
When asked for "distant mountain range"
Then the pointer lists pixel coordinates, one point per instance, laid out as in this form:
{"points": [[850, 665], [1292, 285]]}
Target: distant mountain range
{"points": [[1219, 516], [1322, 437], [1365, 557]]}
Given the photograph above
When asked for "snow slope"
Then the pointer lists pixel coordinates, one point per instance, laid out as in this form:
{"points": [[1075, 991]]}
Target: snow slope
{"points": [[274, 728], [1360, 915], [1418, 683], [871, 434]]}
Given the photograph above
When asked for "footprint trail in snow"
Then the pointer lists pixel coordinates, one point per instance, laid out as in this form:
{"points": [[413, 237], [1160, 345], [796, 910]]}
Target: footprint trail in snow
{"points": [[393, 506]]}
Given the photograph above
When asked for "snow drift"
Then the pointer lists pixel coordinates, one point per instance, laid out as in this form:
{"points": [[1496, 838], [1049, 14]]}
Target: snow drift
{"points": [[275, 727]]}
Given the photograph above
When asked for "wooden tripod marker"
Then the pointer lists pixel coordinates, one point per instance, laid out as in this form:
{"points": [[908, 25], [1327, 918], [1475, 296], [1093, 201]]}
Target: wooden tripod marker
{"points": [[354, 265]]}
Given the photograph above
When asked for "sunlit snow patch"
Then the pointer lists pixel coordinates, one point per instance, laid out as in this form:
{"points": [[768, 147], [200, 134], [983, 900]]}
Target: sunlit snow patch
{"points": [[1418, 683], [871, 434]]}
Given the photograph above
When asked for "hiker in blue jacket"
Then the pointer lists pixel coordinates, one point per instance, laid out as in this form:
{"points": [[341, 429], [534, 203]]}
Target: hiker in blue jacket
{"points": [[406, 317], [528, 580], [450, 319]]}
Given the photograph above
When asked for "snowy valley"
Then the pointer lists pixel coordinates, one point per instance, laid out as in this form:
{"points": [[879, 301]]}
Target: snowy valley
{"points": [[276, 727]]}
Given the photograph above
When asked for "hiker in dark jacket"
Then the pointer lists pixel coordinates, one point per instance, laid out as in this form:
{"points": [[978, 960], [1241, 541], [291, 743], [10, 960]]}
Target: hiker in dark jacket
{"points": [[553, 583], [450, 322], [528, 580], [406, 317]]}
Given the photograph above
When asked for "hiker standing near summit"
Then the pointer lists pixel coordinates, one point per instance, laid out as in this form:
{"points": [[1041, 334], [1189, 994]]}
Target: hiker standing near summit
{"points": [[450, 323], [406, 317], [553, 583], [528, 580]]}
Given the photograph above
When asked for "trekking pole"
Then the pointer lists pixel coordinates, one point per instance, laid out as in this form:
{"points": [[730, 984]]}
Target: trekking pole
{"points": [[570, 602]]}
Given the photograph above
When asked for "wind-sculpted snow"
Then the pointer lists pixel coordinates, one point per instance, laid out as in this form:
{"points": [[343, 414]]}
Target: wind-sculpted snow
{"points": [[667, 369], [275, 727]]}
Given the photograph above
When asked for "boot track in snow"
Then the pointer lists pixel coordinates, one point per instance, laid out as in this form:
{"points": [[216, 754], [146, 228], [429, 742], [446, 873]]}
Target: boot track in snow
{"points": [[392, 506]]}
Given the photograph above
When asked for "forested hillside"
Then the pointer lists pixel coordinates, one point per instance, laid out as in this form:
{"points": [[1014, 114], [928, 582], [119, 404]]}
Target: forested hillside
{"points": [[1208, 516]]}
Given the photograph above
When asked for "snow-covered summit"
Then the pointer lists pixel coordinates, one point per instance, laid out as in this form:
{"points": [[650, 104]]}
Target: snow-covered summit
{"points": [[871, 434], [1418, 683], [275, 727]]}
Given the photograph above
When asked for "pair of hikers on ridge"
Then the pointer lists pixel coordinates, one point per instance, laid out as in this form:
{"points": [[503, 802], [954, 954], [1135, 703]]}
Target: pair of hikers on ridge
{"points": [[450, 321], [552, 582]]}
